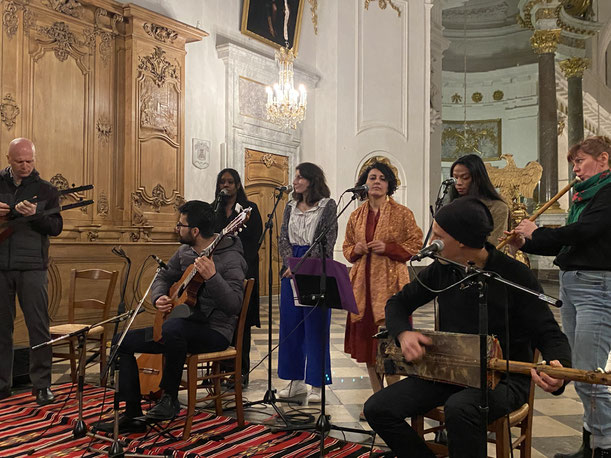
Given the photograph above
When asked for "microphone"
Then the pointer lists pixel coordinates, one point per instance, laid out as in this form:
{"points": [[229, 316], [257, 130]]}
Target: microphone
{"points": [[287, 188], [435, 247], [222, 193], [449, 182], [361, 188], [162, 264]]}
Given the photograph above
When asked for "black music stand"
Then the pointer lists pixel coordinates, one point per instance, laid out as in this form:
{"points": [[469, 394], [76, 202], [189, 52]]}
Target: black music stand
{"points": [[321, 282]]}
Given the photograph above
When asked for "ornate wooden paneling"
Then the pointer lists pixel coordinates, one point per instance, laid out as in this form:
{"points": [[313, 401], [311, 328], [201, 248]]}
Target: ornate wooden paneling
{"points": [[99, 86]]}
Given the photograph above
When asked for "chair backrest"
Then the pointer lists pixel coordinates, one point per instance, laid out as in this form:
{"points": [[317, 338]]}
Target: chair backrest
{"points": [[103, 303], [249, 283]]}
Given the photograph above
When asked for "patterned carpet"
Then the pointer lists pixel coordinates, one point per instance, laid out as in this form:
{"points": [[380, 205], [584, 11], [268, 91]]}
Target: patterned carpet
{"points": [[557, 420]]}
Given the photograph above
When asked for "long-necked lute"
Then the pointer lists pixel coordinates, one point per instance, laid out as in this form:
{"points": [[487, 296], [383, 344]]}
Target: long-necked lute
{"points": [[454, 358], [185, 290]]}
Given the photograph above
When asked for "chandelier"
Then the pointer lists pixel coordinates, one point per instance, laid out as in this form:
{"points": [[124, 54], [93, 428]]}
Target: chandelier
{"points": [[286, 105]]}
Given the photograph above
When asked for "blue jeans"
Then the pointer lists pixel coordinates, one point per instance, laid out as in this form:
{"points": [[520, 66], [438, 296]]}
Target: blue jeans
{"points": [[586, 320]]}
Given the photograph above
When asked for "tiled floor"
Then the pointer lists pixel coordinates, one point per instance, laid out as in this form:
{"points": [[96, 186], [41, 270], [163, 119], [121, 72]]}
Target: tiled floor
{"points": [[557, 420]]}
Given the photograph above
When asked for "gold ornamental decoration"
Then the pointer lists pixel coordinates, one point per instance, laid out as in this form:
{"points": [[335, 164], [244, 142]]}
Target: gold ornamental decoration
{"points": [[545, 41], [577, 8], [477, 97], [383, 4], [456, 98], [9, 110], [512, 180], [498, 95], [103, 206], [574, 67], [314, 11]]}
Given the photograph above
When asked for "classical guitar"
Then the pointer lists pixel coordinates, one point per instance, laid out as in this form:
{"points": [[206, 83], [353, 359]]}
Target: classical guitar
{"points": [[185, 290]]}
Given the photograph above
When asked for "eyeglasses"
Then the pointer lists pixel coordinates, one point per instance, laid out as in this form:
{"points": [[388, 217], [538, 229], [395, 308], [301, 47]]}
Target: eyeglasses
{"points": [[179, 224]]}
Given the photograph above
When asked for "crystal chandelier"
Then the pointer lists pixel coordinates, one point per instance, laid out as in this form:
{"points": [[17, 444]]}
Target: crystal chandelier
{"points": [[286, 105]]}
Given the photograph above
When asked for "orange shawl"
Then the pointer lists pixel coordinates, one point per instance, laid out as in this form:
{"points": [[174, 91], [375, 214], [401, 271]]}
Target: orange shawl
{"points": [[396, 224]]}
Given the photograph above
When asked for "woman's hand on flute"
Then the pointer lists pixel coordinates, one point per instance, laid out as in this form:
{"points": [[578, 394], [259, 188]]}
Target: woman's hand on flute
{"points": [[526, 229]]}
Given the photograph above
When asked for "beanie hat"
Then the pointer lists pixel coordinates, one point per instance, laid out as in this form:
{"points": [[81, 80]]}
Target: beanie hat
{"points": [[467, 219]]}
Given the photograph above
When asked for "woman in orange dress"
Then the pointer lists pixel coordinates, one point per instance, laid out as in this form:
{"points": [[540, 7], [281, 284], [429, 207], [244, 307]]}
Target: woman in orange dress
{"points": [[381, 236]]}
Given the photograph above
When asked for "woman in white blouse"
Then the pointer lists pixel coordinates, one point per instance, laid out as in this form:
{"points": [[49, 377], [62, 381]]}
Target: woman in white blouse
{"points": [[301, 331]]}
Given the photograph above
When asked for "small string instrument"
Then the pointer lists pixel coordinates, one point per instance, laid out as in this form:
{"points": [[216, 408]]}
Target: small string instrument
{"points": [[8, 225], [185, 290]]}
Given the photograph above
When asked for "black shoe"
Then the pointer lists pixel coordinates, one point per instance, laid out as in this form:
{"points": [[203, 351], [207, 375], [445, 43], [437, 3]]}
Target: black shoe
{"points": [[166, 409], [127, 425], [584, 451], [44, 396], [602, 453]]}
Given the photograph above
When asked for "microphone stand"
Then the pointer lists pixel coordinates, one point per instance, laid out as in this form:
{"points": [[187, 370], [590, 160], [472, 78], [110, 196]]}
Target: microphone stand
{"points": [[438, 204], [116, 449], [270, 396], [80, 428], [480, 278], [323, 424]]}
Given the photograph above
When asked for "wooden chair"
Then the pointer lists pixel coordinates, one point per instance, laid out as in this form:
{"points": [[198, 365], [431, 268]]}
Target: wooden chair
{"points": [[207, 366], [521, 418], [100, 309]]}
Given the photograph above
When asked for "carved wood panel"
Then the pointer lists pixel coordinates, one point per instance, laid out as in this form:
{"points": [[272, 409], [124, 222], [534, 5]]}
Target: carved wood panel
{"points": [[99, 86], [262, 172]]}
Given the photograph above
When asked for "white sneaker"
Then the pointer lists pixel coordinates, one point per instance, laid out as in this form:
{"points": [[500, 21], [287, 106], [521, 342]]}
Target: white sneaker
{"points": [[315, 395], [294, 388]]}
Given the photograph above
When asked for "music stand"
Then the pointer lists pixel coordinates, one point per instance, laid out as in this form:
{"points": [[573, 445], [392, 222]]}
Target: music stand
{"points": [[324, 283]]}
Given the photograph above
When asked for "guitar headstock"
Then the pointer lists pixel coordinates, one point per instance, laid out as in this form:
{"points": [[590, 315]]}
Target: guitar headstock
{"points": [[238, 222]]}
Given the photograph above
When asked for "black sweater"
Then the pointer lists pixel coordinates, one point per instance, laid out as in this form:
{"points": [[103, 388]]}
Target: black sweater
{"points": [[588, 239], [28, 247], [531, 323]]}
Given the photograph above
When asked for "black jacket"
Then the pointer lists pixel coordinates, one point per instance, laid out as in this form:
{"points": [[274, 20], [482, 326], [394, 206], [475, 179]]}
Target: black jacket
{"points": [[531, 323], [249, 236], [219, 300], [28, 247], [587, 240]]}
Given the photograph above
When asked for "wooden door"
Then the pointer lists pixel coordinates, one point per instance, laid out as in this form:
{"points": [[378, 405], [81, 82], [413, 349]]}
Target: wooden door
{"points": [[262, 172]]}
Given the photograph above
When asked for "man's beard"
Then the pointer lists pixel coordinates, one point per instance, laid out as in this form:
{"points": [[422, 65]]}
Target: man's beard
{"points": [[188, 240]]}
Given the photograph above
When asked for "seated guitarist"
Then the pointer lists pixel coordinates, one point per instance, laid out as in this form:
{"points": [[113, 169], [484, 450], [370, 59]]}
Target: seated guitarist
{"points": [[208, 327], [463, 227]]}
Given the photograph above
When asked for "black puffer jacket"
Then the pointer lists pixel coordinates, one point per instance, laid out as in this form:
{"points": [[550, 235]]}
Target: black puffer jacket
{"points": [[219, 300], [28, 247]]}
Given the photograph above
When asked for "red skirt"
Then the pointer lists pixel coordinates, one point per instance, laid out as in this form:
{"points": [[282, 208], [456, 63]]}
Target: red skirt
{"points": [[359, 341]]}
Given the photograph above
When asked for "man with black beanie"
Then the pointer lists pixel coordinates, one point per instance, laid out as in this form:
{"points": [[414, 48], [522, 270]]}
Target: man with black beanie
{"points": [[463, 226]]}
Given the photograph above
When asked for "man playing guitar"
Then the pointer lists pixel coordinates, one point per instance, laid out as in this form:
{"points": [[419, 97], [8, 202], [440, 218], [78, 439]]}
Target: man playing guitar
{"points": [[206, 327]]}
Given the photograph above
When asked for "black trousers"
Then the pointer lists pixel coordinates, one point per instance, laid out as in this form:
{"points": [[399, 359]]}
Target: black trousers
{"points": [[180, 336], [30, 287], [387, 410]]}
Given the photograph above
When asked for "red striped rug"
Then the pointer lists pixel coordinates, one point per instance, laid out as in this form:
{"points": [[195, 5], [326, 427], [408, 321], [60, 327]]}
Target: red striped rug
{"points": [[29, 430]]}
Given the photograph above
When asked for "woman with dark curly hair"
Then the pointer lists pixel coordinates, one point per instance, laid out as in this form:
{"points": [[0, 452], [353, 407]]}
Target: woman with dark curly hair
{"points": [[301, 334], [381, 236], [472, 179], [232, 203]]}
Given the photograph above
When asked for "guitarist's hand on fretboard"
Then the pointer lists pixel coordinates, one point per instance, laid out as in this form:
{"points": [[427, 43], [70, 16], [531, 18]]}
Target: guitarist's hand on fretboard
{"points": [[205, 267]]}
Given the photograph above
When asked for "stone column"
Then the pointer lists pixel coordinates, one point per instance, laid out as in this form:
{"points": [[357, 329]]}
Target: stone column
{"points": [[544, 43], [573, 69]]}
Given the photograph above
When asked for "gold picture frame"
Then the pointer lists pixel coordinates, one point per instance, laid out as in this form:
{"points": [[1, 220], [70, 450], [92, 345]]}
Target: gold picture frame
{"points": [[481, 137], [263, 20]]}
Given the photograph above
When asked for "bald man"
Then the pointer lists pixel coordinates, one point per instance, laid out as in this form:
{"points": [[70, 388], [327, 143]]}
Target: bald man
{"points": [[24, 258]]}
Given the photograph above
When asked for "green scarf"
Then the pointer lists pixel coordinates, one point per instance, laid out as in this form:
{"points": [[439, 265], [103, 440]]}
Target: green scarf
{"points": [[584, 191]]}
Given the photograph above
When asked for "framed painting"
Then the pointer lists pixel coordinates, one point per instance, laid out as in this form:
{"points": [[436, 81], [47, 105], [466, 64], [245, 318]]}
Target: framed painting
{"points": [[263, 20], [480, 137]]}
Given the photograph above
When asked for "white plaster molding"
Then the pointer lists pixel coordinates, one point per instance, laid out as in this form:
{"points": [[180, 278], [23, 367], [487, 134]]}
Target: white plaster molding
{"points": [[365, 35], [247, 72]]}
